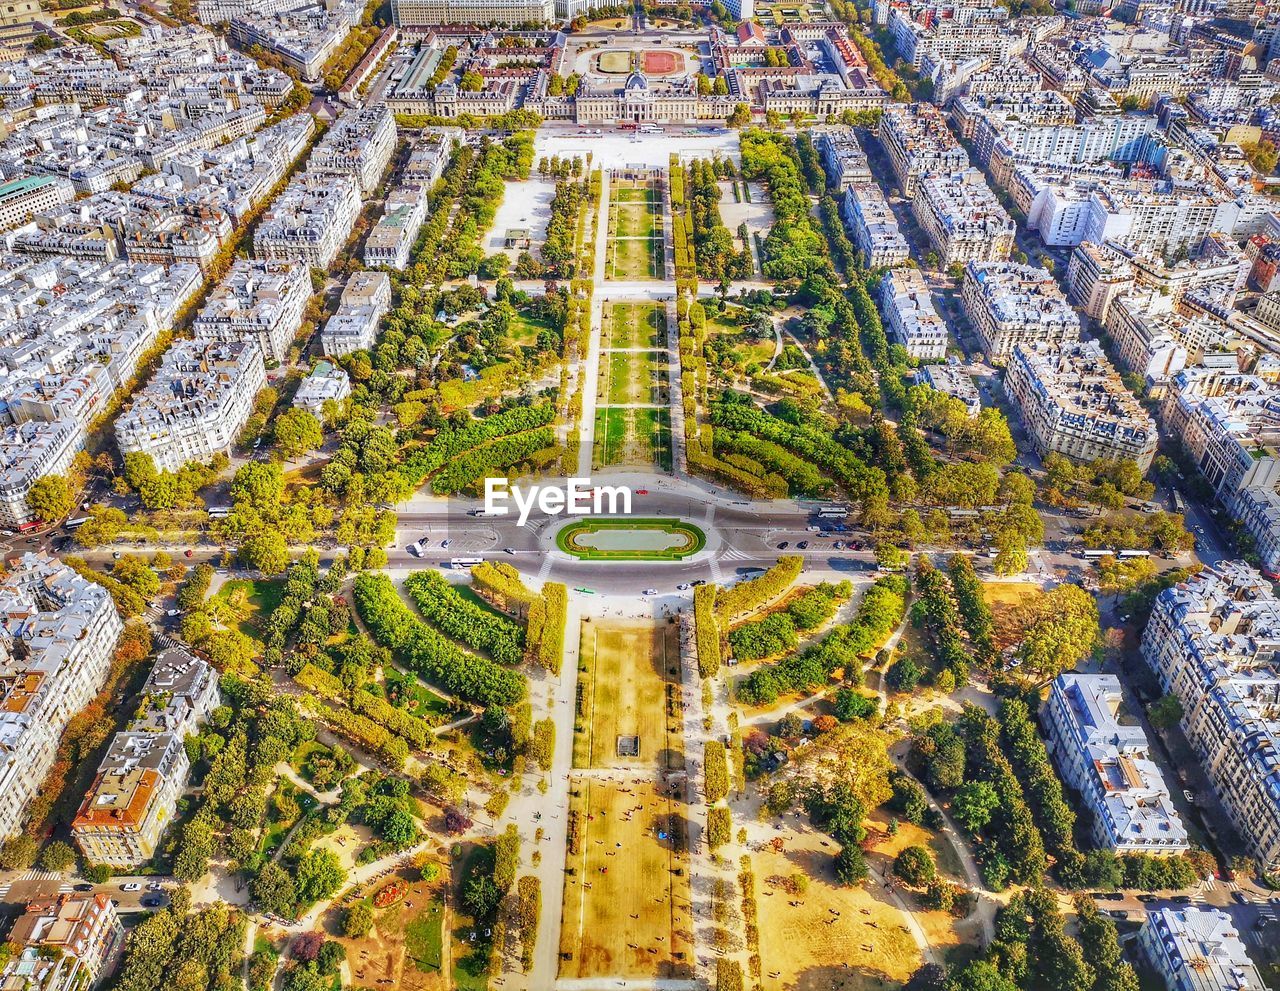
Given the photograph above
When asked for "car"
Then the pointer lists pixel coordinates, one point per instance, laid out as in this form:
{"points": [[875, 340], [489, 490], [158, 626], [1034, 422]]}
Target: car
{"points": [[650, 591], [84, 887], [813, 529], [1181, 899], [642, 491], [115, 556], [173, 612], [6, 533], [131, 886], [683, 587], [803, 545], [446, 542], [838, 545], [508, 550], [1118, 913], [1240, 898], [1108, 896], [188, 552], [1148, 898], [698, 581], [1188, 796], [155, 886], [153, 901], [784, 545]]}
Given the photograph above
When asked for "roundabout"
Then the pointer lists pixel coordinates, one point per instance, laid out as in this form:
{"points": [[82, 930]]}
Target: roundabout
{"points": [[607, 539]]}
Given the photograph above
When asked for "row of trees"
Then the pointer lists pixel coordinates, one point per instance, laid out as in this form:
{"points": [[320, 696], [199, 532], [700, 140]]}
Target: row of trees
{"points": [[713, 244], [794, 248], [476, 627], [879, 612], [422, 649], [776, 632]]}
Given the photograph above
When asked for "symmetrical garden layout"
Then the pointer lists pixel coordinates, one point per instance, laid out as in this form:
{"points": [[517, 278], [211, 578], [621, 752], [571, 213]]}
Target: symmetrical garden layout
{"points": [[633, 417]]}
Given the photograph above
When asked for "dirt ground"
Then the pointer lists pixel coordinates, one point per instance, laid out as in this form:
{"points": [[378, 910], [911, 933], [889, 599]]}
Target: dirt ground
{"points": [[806, 946], [624, 693], [626, 910], [380, 958]]}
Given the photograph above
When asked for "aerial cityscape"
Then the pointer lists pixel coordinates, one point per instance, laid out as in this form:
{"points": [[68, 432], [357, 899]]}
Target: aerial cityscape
{"points": [[677, 495]]}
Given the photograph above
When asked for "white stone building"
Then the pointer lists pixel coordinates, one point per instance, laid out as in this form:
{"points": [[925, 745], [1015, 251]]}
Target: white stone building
{"points": [[1198, 949], [58, 632], [261, 301], [354, 326], [1010, 304], [909, 316], [962, 217]]}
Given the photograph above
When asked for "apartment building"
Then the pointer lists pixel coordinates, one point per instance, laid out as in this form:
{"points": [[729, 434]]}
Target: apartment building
{"points": [[136, 790], [22, 199], [360, 144], [258, 300], [1212, 642], [962, 217], [918, 142], [1072, 402], [872, 226], [1109, 763], [67, 943], [195, 404], [354, 325], [1011, 304], [1145, 331], [310, 221], [909, 316], [1122, 138], [430, 154], [950, 380], [390, 243], [425, 13], [29, 451], [843, 158], [1198, 949], [58, 632], [326, 383]]}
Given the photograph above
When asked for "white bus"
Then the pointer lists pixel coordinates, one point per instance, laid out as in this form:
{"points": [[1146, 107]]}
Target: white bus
{"points": [[1094, 555], [465, 562], [832, 511], [76, 523], [1131, 555], [219, 512]]}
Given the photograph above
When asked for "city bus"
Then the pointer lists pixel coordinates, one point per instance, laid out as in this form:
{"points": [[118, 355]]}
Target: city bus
{"points": [[28, 527], [1132, 555], [1179, 503], [1095, 555], [219, 512], [832, 511], [465, 562], [76, 523]]}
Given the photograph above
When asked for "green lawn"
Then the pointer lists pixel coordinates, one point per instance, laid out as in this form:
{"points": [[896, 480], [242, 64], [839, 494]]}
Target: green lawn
{"points": [[620, 386], [636, 258], [610, 435], [424, 937], [246, 605], [524, 330], [653, 427], [634, 220], [637, 325]]}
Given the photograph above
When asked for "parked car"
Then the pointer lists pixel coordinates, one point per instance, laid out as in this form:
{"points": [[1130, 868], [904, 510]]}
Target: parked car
{"points": [[1240, 898], [153, 901], [131, 886], [84, 887], [1148, 898], [1181, 899], [650, 591]]}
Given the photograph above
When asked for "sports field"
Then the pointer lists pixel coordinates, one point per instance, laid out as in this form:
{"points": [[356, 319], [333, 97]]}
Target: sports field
{"points": [[626, 890], [629, 669], [636, 247]]}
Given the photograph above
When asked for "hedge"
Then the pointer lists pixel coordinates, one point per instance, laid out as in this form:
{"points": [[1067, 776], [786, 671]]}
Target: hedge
{"points": [[706, 630], [746, 596], [715, 771], [463, 620], [422, 649]]}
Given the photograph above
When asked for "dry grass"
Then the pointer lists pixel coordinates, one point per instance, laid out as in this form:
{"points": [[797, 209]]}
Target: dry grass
{"points": [[624, 693], [626, 911], [1012, 604], [381, 955], [805, 946]]}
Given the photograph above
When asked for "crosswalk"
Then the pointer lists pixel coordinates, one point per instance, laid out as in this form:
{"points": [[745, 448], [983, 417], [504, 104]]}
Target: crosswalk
{"points": [[64, 886]]}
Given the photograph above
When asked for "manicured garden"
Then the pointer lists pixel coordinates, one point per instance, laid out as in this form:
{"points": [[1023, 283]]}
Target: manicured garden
{"points": [[599, 539]]}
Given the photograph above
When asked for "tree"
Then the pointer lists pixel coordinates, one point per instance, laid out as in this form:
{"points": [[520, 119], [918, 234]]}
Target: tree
{"points": [[320, 874], [1064, 632], [978, 975], [297, 431], [904, 675], [358, 920], [1166, 711], [58, 856], [274, 890], [974, 804], [851, 866], [915, 866], [50, 498], [18, 853], [267, 552], [851, 705], [740, 116], [481, 896], [456, 822]]}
